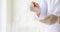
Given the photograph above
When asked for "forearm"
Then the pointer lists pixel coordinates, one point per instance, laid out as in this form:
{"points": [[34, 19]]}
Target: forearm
{"points": [[50, 19]]}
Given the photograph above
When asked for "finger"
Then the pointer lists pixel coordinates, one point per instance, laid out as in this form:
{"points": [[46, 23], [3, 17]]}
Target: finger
{"points": [[34, 4], [32, 7]]}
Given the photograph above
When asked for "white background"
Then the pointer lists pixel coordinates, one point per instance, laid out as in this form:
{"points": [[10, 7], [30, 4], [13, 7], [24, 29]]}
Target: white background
{"points": [[22, 16], [3, 15], [23, 19]]}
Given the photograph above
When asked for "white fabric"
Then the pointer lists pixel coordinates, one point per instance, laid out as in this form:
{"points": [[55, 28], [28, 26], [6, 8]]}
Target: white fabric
{"points": [[49, 7], [52, 28], [54, 7]]}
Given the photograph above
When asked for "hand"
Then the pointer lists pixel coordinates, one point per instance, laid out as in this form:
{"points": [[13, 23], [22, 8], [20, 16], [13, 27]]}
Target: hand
{"points": [[34, 7]]}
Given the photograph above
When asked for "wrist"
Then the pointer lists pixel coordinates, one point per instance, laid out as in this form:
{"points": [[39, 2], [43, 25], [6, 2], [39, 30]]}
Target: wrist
{"points": [[38, 14]]}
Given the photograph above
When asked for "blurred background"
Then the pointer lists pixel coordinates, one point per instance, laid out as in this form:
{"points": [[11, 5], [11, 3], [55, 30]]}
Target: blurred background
{"points": [[15, 16]]}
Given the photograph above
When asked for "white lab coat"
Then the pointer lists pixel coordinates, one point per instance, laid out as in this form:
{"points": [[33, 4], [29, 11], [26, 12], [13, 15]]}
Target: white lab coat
{"points": [[49, 7]]}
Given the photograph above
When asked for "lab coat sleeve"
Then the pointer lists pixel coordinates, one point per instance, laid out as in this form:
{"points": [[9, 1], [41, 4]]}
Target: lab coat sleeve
{"points": [[43, 9]]}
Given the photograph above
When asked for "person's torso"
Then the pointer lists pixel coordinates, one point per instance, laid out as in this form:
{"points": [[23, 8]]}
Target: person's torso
{"points": [[54, 7]]}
